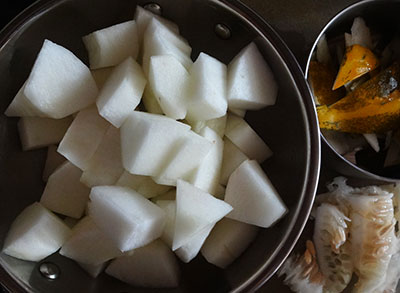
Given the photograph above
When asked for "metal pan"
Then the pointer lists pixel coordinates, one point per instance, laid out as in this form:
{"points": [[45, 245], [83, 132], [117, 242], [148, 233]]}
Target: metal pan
{"points": [[290, 129]]}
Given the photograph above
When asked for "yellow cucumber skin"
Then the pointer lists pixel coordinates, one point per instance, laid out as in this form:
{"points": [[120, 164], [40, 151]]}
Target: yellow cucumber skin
{"points": [[321, 77], [357, 61], [373, 107]]}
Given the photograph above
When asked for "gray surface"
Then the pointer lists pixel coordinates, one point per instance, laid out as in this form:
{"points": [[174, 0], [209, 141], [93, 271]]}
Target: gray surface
{"points": [[298, 21]]}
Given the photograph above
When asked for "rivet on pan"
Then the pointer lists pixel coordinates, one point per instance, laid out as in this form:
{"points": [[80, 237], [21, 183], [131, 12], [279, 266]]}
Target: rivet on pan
{"points": [[222, 31], [153, 7], [49, 270]]}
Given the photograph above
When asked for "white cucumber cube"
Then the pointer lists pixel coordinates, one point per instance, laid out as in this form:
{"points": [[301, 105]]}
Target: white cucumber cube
{"points": [[232, 159], [36, 132], [125, 216], [154, 45], [152, 266], [53, 161], [191, 249], [361, 34], [83, 137], [70, 222], [207, 89], [190, 153], [93, 270], [246, 139], [238, 112], [372, 140], [130, 180], [122, 92], [35, 234], [169, 207], [89, 245], [150, 101], [151, 189], [160, 28], [251, 83], [195, 210], [144, 185], [207, 175], [227, 241], [169, 195], [105, 166], [147, 140], [253, 197], [64, 193], [101, 75], [159, 40], [143, 17], [169, 79], [112, 45], [59, 84], [220, 192], [216, 124], [20, 106]]}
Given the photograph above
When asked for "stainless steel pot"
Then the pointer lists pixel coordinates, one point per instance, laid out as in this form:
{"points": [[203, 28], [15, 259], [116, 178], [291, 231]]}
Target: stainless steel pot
{"points": [[289, 128], [381, 16]]}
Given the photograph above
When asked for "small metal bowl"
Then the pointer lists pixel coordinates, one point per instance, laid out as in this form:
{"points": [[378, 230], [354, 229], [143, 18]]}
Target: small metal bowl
{"points": [[382, 16], [220, 28]]}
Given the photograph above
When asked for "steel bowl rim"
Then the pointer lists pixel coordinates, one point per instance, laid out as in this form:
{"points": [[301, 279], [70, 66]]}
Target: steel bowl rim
{"points": [[313, 132], [326, 27]]}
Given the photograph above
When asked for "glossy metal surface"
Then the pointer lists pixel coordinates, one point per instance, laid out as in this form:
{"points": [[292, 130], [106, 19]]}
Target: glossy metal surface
{"points": [[289, 128], [381, 16]]}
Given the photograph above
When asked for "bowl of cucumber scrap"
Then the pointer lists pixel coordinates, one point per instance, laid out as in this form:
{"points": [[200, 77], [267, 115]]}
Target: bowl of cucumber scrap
{"points": [[353, 73], [149, 147]]}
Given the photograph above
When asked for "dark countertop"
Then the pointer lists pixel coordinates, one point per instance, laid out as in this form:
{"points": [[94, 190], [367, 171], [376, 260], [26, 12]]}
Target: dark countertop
{"points": [[297, 21]]}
